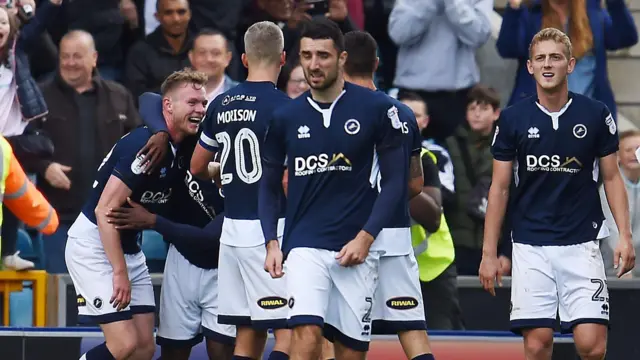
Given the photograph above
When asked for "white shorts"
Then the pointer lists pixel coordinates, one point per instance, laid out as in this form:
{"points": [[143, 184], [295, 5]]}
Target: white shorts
{"points": [[92, 277], [189, 305], [397, 303], [251, 296], [323, 293], [547, 280]]}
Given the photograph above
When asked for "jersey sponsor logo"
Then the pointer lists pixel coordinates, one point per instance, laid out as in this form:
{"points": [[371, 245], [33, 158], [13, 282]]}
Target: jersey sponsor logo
{"points": [[272, 302], [303, 132], [579, 131], [321, 163], [241, 97], [81, 301], [160, 197], [534, 133], [553, 163], [234, 115], [402, 303], [611, 124], [352, 126], [196, 194], [137, 166]]}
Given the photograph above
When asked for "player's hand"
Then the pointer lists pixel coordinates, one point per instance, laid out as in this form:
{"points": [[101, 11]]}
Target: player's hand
{"points": [[154, 151], [213, 170], [355, 251], [121, 291], [299, 14], [133, 217], [56, 176], [515, 4], [505, 265], [338, 10], [273, 261], [624, 256], [490, 272]]}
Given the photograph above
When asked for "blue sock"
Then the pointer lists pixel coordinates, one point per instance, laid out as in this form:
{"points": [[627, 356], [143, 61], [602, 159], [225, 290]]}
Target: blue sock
{"points": [[236, 357], [278, 355], [99, 352], [424, 357]]}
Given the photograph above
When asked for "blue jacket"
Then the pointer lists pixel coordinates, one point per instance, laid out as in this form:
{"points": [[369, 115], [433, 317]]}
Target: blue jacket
{"points": [[612, 29], [32, 104]]}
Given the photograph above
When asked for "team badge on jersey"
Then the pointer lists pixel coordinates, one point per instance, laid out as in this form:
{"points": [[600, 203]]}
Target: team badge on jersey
{"points": [[611, 124], [392, 113], [579, 131], [352, 126]]}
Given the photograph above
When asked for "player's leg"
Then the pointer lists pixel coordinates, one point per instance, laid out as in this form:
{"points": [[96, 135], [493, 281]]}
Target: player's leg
{"points": [[584, 297], [143, 306], [234, 310], [348, 321], [220, 338], [180, 312], [328, 352], [267, 299], [92, 278], [534, 300], [308, 285], [398, 305]]}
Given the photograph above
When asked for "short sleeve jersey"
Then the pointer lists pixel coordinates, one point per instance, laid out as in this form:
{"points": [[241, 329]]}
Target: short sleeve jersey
{"points": [[235, 124], [555, 157], [331, 152], [151, 191]]}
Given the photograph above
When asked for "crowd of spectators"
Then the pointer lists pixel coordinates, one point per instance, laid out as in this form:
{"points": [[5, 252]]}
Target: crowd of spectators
{"points": [[71, 73]]}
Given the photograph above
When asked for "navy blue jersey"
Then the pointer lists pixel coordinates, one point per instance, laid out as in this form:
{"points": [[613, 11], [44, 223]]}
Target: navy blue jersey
{"points": [[555, 157], [151, 191], [332, 155], [235, 124]]}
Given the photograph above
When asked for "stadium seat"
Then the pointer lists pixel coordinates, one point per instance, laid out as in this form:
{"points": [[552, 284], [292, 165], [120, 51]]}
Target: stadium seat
{"points": [[155, 250], [21, 307], [30, 246], [12, 282]]}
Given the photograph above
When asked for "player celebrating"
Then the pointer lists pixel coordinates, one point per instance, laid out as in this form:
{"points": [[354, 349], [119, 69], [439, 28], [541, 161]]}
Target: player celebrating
{"points": [[334, 138], [555, 144], [188, 309], [236, 123], [397, 304], [107, 267]]}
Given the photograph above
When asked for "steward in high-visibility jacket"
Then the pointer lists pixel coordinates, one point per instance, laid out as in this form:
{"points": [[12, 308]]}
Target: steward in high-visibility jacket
{"points": [[21, 196], [434, 252]]}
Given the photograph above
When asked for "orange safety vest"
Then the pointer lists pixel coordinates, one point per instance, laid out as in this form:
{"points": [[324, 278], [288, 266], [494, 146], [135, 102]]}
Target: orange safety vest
{"points": [[21, 196]]}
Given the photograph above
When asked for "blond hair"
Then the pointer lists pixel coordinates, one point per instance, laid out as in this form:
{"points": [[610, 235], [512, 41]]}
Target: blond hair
{"points": [[264, 42], [579, 28], [555, 35], [183, 77]]}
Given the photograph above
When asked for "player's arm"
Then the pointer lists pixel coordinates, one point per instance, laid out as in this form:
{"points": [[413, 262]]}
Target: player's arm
{"points": [[271, 183], [616, 193], [426, 207], [157, 147], [497, 206], [206, 149]]}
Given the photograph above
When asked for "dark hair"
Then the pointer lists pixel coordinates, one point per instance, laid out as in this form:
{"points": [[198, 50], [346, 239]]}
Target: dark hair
{"points": [[211, 32], [484, 95], [629, 133], [409, 96], [285, 74], [324, 29], [362, 50]]}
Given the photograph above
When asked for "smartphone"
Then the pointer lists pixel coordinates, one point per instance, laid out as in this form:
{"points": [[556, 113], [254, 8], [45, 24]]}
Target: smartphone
{"points": [[320, 7]]}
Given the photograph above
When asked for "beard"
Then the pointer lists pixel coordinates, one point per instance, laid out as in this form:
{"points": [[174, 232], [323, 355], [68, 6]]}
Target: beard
{"points": [[329, 80]]}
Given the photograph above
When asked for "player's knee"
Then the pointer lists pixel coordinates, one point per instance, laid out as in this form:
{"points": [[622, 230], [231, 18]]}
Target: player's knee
{"points": [[218, 351], [538, 342], [283, 340], [122, 347], [592, 350], [306, 333], [145, 349]]}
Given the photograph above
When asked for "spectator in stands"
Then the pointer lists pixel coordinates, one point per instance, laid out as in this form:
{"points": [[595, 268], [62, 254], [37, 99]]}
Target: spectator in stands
{"points": [[163, 51], [592, 29], [88, 114], [470, 150], [211, 55], [291, 16], [292, 80], [437, 40], [20, 100], [630, 170]]}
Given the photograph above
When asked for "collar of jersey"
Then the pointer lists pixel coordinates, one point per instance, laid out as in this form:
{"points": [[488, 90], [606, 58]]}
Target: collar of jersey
{"points": [[326, 113], [555, 115]]}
